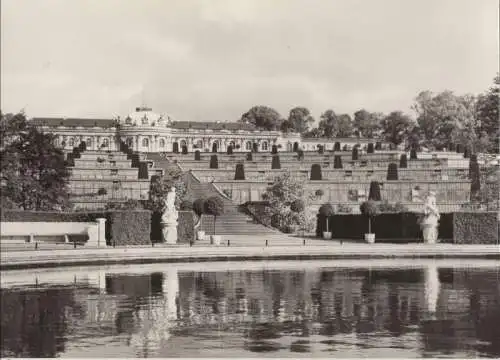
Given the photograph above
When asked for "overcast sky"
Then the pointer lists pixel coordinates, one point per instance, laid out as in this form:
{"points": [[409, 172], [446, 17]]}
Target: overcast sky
{"points": [[214, 59]]}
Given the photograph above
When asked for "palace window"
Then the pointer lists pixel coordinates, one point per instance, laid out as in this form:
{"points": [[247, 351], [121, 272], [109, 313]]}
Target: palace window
{"points": [[199, 144], [162, 143], [145, 142], [129, 142], [89, 142], [71, 142], [264, 145], [231, 143], [105, 142], [248, 145], [183, 143]]}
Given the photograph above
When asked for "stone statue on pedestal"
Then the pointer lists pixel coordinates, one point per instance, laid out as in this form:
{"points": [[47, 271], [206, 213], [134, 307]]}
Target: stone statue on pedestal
{"points": [[169, 218], [430, 222]]}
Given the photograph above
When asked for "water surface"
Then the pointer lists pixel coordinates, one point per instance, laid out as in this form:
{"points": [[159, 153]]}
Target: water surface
{"points": [[280, 309]]}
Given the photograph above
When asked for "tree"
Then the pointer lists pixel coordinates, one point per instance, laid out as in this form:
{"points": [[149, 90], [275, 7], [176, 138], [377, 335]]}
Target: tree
{"points": [[279, 198], [239, 173], [299, 120], [262, 117], [214, 206], [33, 171], [332, 125], [374, 193], [367, 123], [488, 117], [370, 209], [214, 162], [403, 161], [445, 117], [160, 186], [275, 163], [396, 126], [325, 211], [392, 171], [316, 172], [199, 206]]}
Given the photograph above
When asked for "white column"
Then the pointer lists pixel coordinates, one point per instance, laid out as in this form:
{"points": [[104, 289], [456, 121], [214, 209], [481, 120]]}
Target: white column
{"points": [[101, 236]]}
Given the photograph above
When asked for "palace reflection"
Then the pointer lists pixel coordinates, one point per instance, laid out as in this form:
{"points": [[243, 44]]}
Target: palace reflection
{"points": [[444, 310]]}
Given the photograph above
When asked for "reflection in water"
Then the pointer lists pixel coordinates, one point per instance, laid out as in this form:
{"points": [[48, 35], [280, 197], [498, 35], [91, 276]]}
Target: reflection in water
{"points": [[346, 312]]}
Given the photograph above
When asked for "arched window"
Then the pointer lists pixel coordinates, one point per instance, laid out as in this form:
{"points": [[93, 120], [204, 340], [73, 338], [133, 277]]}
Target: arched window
{"points": [[162, 143], [145, 142], [71, 142], [248, 146], [183, 143], [231, 143], [105, 142], [199, 144], [264, 145]]}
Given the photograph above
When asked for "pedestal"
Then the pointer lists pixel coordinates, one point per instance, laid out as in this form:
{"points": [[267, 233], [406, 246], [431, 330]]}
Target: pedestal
{"points": [[169, 228], [429, 233]]}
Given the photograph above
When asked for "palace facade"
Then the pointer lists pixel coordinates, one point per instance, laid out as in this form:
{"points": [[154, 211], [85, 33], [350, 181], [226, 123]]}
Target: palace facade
{"points": [[146, 131]]}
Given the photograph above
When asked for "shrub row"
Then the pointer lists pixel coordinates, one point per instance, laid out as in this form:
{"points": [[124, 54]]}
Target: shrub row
{"points": [[185, 227]]}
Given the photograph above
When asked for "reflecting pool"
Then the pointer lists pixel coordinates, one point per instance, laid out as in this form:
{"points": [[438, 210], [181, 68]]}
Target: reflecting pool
{"points": [[323, 309]]}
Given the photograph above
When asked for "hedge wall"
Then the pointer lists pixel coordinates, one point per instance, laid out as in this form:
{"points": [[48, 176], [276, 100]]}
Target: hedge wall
{"points": [[476, 228], [125, 227], [185, 227], [389, 227]]}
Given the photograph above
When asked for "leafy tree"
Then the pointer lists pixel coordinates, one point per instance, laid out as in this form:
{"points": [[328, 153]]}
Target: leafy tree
{"points": [[445, 117], [262, 117], [199, 206], [160, 186], [279, 197], [214, 206], [299, 120], [33, 170], [488, 117], [396, 126], [325, 211], [313, 133], [370, 209], [367, 123], [333, 125], [374, 193]]}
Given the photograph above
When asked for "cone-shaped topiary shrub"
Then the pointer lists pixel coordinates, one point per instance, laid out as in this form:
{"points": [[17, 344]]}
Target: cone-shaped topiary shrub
{"points": [[214, 206], [374, 193], [295, 146], [459, 149], [403, 161], [76, 153], [392, 171], [175, 147], [249, 156], [475, 177], [378, 145], [274, 149], [197, 155], [102, 191], [230, 150], [451, 147], [83, 146], [255, 147], [466, 153], [184, 150], [214, 147], [275, 163], [413, 154], [370, 149], [143, 170], [337, 162], [214, 162], [199, 206], [355, 155], [239, 173], [316, 172], [336, 146], [135, 160]]}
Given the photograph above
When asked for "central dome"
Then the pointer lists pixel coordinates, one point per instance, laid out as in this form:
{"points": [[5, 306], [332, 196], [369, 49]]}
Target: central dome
{"points": [[144, 116]]}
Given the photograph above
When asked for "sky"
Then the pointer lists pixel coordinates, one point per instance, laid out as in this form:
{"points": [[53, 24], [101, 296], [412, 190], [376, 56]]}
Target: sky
{"points": [[212, 60]]}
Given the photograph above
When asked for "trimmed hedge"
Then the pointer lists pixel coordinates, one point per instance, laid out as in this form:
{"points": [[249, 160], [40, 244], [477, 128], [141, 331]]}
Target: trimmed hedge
{"points": [[337, 162], [392, 171], [274, 149], [466, 153], [336, 146], [295, 146], [276, 163], [355, 155], [374, 193], [214, 147], [403, 161], [230, 150], [214, 162], [184, 150], [249, 156], [476, 228], [143, 170], [393, 227], [125, 227], [370, 149], [239, 173], [378, 145], [316, 172], [175, 147], [197, 155], [185, 227], [413, 154]]}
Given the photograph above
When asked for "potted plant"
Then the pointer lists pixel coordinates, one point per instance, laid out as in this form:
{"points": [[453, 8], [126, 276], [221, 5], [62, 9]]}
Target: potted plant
{"points": [[370, 209], [214, 206], [326, 210]]}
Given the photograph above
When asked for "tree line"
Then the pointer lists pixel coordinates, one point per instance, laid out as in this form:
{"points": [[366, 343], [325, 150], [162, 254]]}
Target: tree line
{"points": [[442, 120]]}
